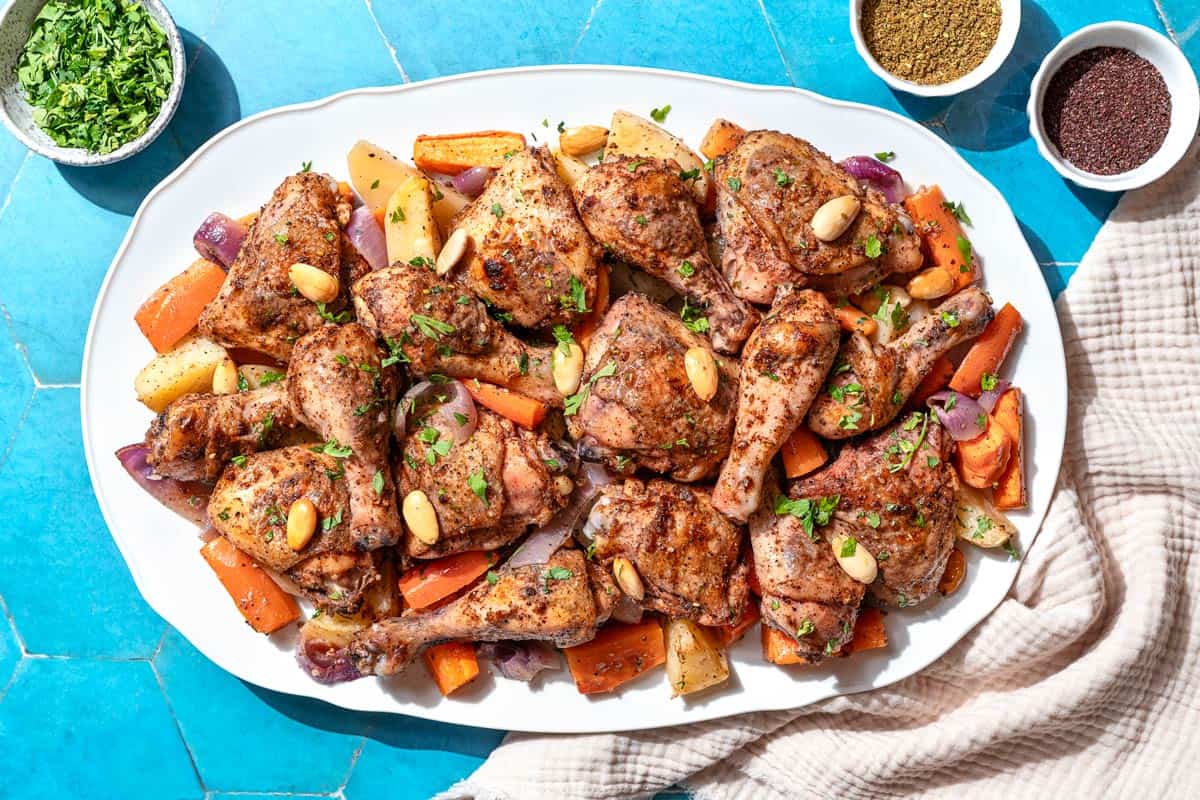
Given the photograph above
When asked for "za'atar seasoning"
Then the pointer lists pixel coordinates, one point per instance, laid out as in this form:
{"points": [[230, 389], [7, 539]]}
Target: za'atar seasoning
{"points": [[930, 41], [1107, 110]]}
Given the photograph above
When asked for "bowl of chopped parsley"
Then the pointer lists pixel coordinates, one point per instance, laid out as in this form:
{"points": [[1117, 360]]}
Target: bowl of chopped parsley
{"points": [[88, 82]]}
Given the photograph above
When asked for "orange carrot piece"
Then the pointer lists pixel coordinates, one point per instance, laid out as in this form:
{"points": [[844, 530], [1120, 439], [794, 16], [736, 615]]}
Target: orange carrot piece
{"points": [[618, 654], [953, 574], [869, 632], [728, 634], [452, 153], [588, 325], [246, 219], [942, 235], [380, 214], [852, 319], [722, 137], [431, 581], [779, 648], [932, 383], [262, 602], [525, 411], [982, 460], [988, 352], [346, 192], [1009, 492], [174, 309], [802, 452], [453, 665]]}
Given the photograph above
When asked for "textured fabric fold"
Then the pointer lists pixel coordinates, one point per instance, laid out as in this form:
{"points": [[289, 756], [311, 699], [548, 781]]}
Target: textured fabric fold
{"points": [[1084, 681]]}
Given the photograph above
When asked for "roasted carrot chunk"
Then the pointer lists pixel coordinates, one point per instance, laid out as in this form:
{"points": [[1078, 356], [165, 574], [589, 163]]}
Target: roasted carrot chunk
{"points": [[453, 153], [869, 632], [851, 318], [932, 383], [431, 581], [722, 137], [982, 460], [779, 648], [1009, 492], [453, 665], [953, 574], [943, 237], [618, 654], [525, 411], [988, 352], [262, 602], [174, 309], [728, 634], [802, 452]]}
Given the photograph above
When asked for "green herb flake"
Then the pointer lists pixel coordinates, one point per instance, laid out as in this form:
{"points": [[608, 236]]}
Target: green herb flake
{"points": [[397, 216], [950, 318], [238, 461], [478, 484], [572, 404], [565, 339], [872, 247], [958, 211], [734, 184], [659, 115], [806, 627], [332, 448], [849, 547], [686, 269], [430, 327], [492, 577], [873, 519], [497, 210], [964, 250], [375, 183], [987, 381], [811, 513], [885, 155], [377, 483], [782, 179]]}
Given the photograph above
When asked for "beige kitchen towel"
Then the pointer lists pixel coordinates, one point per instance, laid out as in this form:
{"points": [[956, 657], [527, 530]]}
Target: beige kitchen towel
{"points": [[1084, 682]]}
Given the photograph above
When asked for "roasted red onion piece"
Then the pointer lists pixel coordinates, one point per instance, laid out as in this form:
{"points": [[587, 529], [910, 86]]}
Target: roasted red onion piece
{"points": [[325, 656], [471, 182], [878, 175], [542, 543], [989, 398], [219, 238], [520, 661], [455, 414], [188, 499], [961, 414], [367, 237]]}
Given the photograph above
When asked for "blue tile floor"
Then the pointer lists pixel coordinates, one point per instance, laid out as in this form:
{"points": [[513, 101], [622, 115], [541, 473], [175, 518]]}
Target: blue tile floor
{"points": [[98, 698]]}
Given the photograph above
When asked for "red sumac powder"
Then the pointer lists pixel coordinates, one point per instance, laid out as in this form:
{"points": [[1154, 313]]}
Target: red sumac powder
{"points": [[1107, 110]]}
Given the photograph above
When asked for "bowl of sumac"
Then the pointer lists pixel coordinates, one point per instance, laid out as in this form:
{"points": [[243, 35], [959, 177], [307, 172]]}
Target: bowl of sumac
{"points": [[1114, 106]]}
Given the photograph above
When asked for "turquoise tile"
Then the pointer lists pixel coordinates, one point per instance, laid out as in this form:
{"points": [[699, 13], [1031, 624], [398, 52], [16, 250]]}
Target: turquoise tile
{"points": [[306, 745], [12, 156], [730, 39], [83, 729], [10, 651], [16, 388], [422, 756], [479, 36], [1183, 18], [282, 52], [65, 584]]}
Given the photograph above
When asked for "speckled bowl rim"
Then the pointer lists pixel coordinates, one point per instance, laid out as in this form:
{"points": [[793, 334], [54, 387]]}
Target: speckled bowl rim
{"points": [[76, 156], [1181, 83], [1010, 26]]}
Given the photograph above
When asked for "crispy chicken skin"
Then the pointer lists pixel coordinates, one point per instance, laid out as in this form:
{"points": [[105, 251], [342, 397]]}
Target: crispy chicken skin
{"points": [[339, 388], [768, 189], [256, 307], [439, 328], [528, 244], [249, 506], [643, 212], [915, 503], [880, 379], [548, 602], [519, 488], [783, 367], [195, 436], [640, 409], [688, 556]]}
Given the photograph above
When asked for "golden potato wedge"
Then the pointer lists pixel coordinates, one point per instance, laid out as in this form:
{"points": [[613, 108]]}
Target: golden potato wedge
{"points": [[452, 153], [186, 369], [979, 522], [694, 660], [376, 173], [569, 168], [721, 138], [630, 135], [408, 224]]}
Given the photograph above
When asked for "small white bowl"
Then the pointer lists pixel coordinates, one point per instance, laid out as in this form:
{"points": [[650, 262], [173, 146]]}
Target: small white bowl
{"points": [[1010, 23], [16, 20], [1176, 72]]}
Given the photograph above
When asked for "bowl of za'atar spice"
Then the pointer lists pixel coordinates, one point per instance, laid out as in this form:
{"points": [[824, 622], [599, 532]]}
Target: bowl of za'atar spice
{"points": [[89, 82], [934, 48], [1114, 106]]}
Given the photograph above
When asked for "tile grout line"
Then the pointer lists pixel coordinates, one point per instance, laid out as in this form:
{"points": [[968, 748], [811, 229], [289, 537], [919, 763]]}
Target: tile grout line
{"points": [[387, 42], [587, 24], [12, 625], [8, 446], [787, 67], [341, 790], [175, 718], [1162, 15], [24, 351]]}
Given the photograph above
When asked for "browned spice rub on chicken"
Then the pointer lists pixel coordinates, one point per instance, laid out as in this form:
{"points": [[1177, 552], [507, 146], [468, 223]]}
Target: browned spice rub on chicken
{"points": [[487, 490], [530, 255], [636, 406], [783, 367], [768, 190], [256, 307], [642, 211], [434, 326], [548, 602], [688, 557]]}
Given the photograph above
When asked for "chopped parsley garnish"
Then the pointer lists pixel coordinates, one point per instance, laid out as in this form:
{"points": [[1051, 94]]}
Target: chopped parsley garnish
{"points": [[686, 269], [659, 115], [479, 485], [375, 183], [849, 421], [328, 316], [734, 184], [849, 547], [556, 574], [772, 376], [497, 210], [950, 318], [329, 523], [242, 384], [689, 174], [964, 250], [397, 215], [932, 461], [633, 165], [565, 339], [430, 327], [873, 519], [987, 381], [958, 211], [782, 179], [882, 555], [268, 378], [332, 448], [1010, 547], [951, 401], [239, 461], [806, 627], [811, 513], [492, 577], [377, 483], [578, 297], [523, 363], [572, 404], [872, 247], [640, 219], [693, 318], [306, 166], [330, 236], [885, 155], [905, 448], [281, 238]]}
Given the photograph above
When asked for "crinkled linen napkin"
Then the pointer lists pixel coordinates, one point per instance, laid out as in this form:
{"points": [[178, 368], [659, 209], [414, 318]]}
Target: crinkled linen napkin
{"points": [[1084, 682]]}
